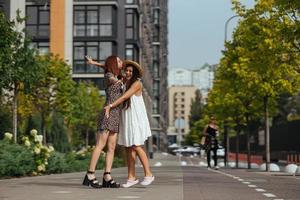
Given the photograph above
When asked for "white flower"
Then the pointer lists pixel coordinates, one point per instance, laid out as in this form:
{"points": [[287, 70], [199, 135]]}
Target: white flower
{"points": [[37, 150], [8, 135], [27, 143], [41, 168], [33, 132], [40, 138], [51, 148]]}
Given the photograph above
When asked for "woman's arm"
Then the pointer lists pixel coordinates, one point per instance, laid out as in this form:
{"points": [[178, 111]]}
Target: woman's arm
{"points": [[92, 62], [136, 86]]}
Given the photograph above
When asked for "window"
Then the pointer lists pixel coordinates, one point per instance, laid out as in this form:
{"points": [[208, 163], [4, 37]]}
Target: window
{"points": [[156, 16], [155, 52], [43, 47], [130, 1], [93, 21], [99, 51], [156, 34], [156, 88], [131, 52], [37, 22], [132, 22], [155, 69], [155, 108]]}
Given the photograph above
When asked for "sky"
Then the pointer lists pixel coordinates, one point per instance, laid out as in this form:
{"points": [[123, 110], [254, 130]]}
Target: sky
{"points": [[197, 31]]}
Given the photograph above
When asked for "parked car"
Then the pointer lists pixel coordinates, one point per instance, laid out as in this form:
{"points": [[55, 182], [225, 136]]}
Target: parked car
{"points": [[187, 150]]}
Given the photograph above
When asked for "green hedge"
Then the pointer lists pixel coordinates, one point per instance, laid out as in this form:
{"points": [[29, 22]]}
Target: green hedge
{"points": [[15, 160]]}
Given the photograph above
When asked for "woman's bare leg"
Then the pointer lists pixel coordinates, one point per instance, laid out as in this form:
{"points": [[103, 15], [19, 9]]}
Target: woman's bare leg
{"points": [[111, 146], [144, 160], [101, 141], [131, 157]]}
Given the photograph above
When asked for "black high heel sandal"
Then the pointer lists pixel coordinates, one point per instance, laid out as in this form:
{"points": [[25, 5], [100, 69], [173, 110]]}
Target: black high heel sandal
{"points": [[93, 182], [110, 183]]}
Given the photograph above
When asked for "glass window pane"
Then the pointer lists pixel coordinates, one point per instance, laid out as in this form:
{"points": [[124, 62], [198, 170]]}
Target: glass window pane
{"points": [[31, 15], [92, 17], [92, 69], [105, 15], [105, 30], [129, 1], [129, 54], [93, 51], [79, 67], [44, 17], [32, 30], [43, 30], [79, 7], [43, 50], [129, 20], [92, 7], [105, 50], [92, 43], [79, 53], [79, 30], [92, 30], [129, 33], [79, 17]]}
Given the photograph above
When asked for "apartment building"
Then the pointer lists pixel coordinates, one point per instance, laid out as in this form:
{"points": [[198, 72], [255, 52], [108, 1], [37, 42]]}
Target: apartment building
{"points": [[130, 29]]}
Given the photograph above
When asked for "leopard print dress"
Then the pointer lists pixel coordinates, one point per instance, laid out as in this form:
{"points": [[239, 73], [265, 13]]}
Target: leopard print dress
{"points": [[113, 91]]}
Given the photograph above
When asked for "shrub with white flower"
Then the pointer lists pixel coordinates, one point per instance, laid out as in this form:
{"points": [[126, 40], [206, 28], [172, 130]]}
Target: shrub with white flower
{"points": [[40, 152], [8, 136]]}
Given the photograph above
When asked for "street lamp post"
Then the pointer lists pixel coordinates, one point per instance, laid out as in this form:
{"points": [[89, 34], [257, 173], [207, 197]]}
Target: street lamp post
{"points": [[226, 138]]}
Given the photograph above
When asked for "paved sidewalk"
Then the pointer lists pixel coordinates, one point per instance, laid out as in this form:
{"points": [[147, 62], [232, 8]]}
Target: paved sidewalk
{"points": [[173, 182], [167, 185]]}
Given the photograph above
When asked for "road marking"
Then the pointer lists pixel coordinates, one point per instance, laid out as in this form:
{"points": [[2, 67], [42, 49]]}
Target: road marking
{"points": [[62, 192], [246, 182], [128, 197], [252, 186], [249, 185], [269, 195], [260, 190]]}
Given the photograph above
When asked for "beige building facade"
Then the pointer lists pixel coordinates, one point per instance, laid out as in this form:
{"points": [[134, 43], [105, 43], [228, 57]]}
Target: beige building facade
{"points": [[180, 99]]}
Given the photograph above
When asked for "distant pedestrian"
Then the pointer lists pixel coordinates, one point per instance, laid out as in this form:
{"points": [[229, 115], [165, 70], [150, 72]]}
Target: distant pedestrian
{"points": [[211, 142]]}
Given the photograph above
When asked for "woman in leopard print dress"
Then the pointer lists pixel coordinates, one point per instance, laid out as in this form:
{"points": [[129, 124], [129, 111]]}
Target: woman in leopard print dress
{"points": [[107, 127]]}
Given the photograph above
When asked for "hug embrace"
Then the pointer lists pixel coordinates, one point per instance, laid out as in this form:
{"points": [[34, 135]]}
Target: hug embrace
{"points": [[123, 120]]}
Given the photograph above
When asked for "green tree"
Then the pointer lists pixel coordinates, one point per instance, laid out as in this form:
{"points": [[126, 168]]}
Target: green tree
{"points": [[19, 67], [87, 105]]}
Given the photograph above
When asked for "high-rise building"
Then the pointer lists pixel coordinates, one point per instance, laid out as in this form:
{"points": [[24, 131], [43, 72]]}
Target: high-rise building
{"points": [[180, 100], [201, 77], [130, 29]]}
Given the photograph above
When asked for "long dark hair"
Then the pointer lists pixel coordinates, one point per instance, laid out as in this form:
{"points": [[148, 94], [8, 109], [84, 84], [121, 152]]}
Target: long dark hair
{"points": [[111, 65], [134, 78]]}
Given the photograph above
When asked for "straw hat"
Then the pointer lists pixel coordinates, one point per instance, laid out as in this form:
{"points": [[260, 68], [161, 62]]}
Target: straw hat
{"points": [[134, 64]]}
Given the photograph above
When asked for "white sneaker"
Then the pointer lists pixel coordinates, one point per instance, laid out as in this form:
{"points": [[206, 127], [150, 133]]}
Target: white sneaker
{"points": [[130, 183], [216, 167], [147, 180]]}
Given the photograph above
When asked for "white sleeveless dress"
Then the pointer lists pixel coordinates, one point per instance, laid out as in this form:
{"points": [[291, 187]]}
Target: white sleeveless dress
{"points": [[134, 126]]}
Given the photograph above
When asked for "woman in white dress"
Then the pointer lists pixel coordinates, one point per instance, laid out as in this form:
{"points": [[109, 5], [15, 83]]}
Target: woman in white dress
{"points": [[134, 126]]}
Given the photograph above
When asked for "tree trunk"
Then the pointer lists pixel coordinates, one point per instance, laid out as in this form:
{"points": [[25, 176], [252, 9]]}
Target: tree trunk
{"points": [[237, 148], [15, 112], [43, 124], [87, 138], [248, 143], [226, 143], [267, 133]]}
